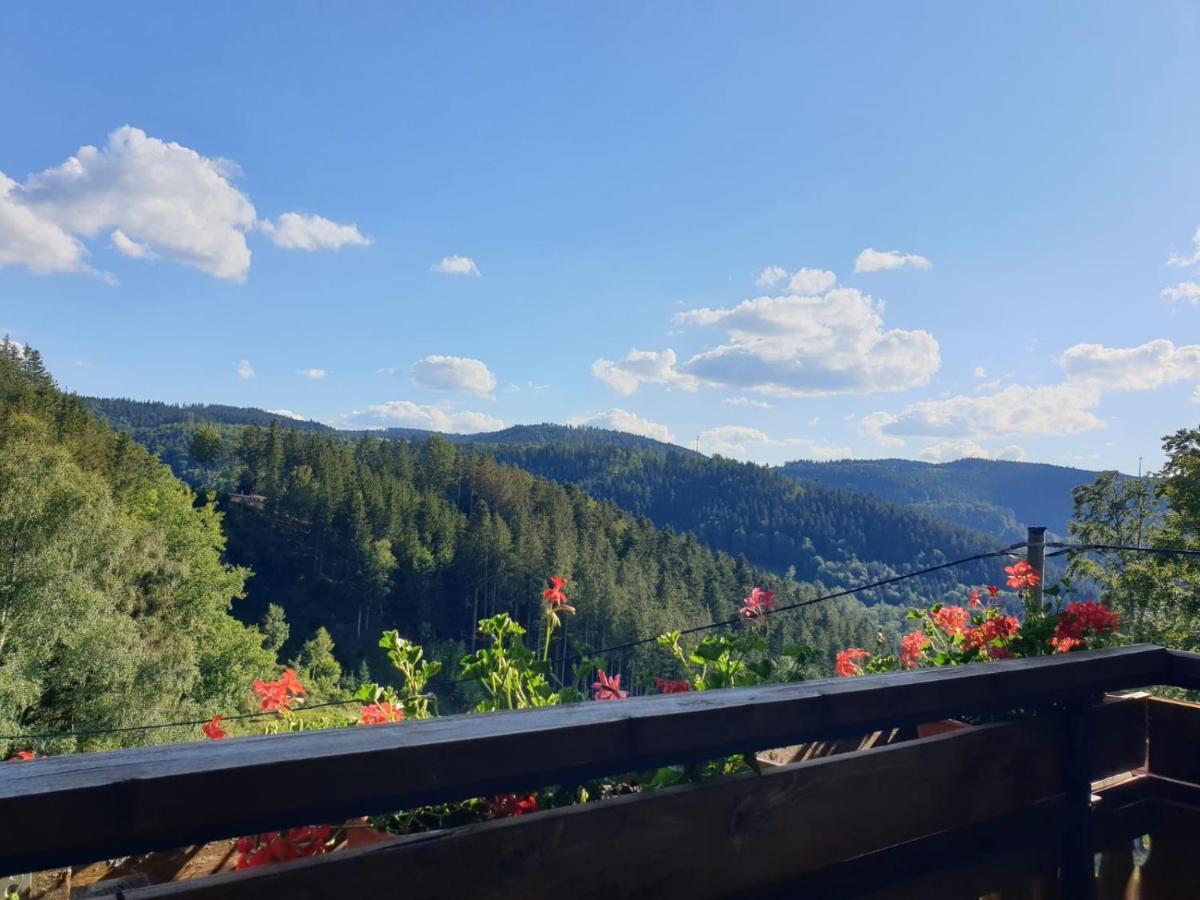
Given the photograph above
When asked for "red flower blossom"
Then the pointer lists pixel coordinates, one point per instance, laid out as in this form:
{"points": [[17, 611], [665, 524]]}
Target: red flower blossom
{"points": [[759, 603], [951, 619], [1022, 575], [380, 714], [849, 661], [1079, 621], [976, 597], [279, 695], [672, 685], [989, 636], [22, 756], [282, 846], [608, 688], [554, 594], [212, 730], [911, 648], [508, 805], [993, 591]]}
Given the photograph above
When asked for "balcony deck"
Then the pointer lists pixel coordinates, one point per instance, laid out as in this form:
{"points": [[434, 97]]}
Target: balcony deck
{"points": [[1045, 801]]}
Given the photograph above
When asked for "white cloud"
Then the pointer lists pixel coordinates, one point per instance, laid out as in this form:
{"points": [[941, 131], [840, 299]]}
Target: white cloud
{"points": [[771, 276], [964, 448], [1192, 259], [129, 247], [455, 265], [753, 444], [156, 199], [811, 282], [454, 373], [302, 231], [1185, 290], [431, 418], [872, 260], [980, 372], [28, 239], [623, 420], [1051, 410], [746, 401], [643, 367], [804, 346], [286, 413], [245, 371], [1196, 394], [1140, 368], [315, 374]]}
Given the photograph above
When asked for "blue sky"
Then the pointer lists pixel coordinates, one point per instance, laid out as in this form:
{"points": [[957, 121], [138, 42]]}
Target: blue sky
{"points": [[648, 216]]}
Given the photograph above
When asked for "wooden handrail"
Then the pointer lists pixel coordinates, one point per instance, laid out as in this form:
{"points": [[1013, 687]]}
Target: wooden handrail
{"points": [[83, 807]]}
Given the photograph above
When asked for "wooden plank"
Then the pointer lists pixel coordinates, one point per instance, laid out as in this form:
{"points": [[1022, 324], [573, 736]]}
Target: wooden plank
{"points": [[133, 801], [1119, 731], [699, 841], [1183, 669], [1174, 740]]}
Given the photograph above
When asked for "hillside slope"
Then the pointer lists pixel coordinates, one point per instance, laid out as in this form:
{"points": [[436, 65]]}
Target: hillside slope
{"points": [[997, 497]]}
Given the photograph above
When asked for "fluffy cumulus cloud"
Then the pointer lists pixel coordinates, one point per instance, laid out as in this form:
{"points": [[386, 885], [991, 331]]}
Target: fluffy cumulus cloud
{"points": [[746, 401], [872, 260], [1185, 291], [1140, 368], [286, 413], [245, 371], [314, 374], [789, 347], [963, 448], [455, 265], [743, 442], [643, 367], [1016, 410], [405, 413], [454, 373], [300, 231], [624, 420], [152, 199], [810, 282]]}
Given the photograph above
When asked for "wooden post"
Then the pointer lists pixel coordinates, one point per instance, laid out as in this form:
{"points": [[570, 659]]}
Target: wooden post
{"points": [[1035, 548], [1077, 869]]}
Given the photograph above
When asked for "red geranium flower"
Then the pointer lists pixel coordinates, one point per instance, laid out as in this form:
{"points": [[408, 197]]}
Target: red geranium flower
{"points": [[912, 646], [993, 591], [672, 685], [1022, 575], [212, 730], [282, 846], [951, 619], [22, 756], [508, 805], [990, 636], [556, 597], [380, 714], [1079, 621], [759, 603], [976, 597], [608, 688], [849, 661], [279, 695]]}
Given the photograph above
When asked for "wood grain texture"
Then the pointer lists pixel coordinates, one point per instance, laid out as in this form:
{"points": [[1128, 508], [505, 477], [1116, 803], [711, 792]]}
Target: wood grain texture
{"points": [[158, 798], [742, 834], [1174, 740]]}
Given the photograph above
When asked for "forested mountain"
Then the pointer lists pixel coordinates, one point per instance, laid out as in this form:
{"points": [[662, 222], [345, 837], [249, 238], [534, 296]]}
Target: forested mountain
{"points": [[821, 534], [366, 534], [114, 598], [993, 496]]}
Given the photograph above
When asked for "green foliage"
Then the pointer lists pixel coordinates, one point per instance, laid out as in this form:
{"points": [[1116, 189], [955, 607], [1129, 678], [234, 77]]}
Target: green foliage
{"points": [[114, 600], [511, 674], [737, 660], [207, 446], [275, 627], [1158, 596]]}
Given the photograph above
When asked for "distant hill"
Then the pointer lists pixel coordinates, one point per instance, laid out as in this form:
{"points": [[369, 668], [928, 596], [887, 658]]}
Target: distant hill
{"points": [[996, 497], [834, 535], [129, 414]]}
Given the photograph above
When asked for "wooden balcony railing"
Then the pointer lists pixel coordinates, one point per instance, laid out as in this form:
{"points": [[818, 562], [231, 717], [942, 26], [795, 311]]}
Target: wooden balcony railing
{"points": [[958, 814]]}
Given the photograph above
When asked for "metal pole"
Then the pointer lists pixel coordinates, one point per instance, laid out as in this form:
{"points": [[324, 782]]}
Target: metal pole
{"points": [[1035, 548]]}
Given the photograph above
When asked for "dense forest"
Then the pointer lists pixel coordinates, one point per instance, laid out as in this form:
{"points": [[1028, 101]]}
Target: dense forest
{"points": [[114, 597], [430, 538], [997, 497], [817, 533]]}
